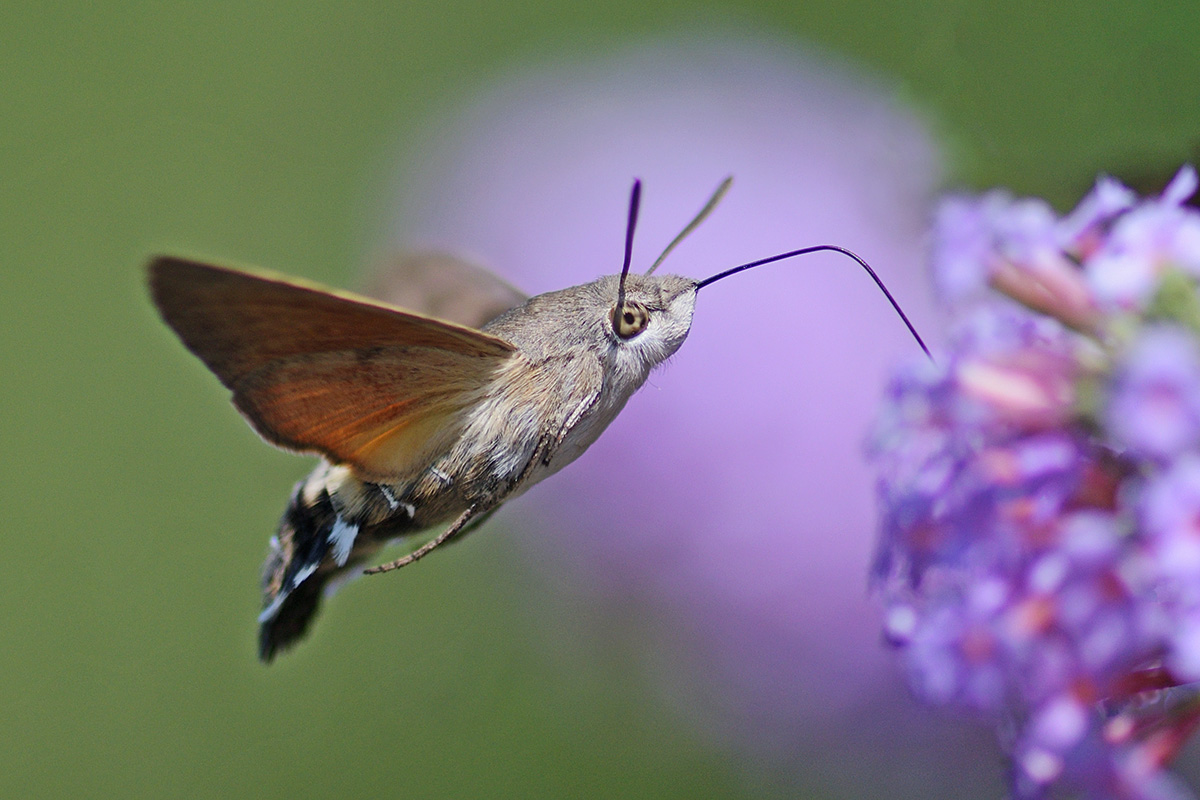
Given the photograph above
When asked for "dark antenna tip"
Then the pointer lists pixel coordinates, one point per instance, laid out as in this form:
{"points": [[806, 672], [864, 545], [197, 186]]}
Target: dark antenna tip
{"points": [[833, 248], [635, 199]]}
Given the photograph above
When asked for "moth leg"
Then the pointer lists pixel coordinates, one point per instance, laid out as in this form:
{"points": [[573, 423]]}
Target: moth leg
{"points": [[475, 522], [455, 528], [471, 526], [473, 517], [549, 447]]}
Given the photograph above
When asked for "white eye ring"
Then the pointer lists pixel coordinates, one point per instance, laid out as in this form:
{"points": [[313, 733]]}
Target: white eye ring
{"points": [[630, 319]]}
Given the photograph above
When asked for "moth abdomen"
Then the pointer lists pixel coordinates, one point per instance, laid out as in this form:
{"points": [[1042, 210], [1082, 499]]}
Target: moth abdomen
{"points": [[291, 586], [317, 546]]}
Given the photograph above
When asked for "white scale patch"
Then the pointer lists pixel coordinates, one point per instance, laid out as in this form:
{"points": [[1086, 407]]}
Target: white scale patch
{"points": [[270, 611], [299, 577], [342, 540], [392, 502]]}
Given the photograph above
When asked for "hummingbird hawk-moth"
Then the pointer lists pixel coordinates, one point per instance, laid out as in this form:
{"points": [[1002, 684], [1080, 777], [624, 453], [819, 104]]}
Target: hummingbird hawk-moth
{"points": [[420, 422]]}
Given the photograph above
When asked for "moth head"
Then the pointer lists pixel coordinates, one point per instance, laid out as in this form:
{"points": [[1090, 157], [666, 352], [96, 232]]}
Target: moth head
{"points": [[652, 317]]}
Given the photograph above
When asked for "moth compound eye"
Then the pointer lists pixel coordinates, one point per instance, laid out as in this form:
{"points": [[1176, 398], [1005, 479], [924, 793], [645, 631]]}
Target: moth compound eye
{"points": [[630, 319]]}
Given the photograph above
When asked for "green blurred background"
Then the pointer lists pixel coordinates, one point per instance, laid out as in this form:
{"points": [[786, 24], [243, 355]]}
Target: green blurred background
{"points": [[137, 505]]}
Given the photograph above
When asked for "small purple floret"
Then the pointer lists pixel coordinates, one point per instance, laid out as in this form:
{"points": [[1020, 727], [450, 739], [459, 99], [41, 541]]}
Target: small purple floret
{"points": [[1154, 406]]}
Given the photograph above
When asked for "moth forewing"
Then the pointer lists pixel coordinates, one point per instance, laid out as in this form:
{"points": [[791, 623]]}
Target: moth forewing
{"points": [[236, 321], [314, 370]]}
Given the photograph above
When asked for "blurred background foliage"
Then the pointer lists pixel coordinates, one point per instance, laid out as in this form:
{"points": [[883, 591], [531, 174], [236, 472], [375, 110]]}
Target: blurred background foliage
{"points": [[137, 505]]}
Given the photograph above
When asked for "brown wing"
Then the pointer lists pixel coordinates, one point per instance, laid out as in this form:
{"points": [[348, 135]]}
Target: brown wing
{"points": [[312, 369]]}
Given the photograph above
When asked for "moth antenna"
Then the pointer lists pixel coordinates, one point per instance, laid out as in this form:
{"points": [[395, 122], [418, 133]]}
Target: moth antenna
{"points": [[635, 199], [691, 226], [834, 248]]}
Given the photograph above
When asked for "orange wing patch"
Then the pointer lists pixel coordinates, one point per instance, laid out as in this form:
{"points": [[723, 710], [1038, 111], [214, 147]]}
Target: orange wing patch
{"points": [[362, 383]]}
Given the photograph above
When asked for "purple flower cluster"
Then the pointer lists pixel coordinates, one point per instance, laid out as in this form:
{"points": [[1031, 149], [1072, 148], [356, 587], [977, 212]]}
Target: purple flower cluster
{"points": [[1039, 559]]}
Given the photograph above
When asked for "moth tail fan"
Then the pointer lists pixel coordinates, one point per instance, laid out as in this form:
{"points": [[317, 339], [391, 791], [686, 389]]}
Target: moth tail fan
{"points": [[315, 551], [292, 621], [293, 577]]}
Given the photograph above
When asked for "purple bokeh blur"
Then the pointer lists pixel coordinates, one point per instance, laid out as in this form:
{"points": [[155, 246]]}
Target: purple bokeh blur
{"points": [[730, 501]]}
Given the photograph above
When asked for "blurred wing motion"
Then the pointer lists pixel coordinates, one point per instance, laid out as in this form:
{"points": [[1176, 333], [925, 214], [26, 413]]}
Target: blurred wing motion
{"points": [[444, 286], [317, 370]]}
